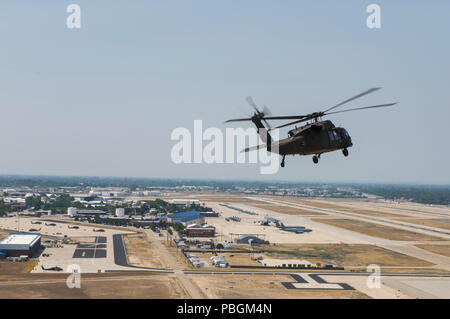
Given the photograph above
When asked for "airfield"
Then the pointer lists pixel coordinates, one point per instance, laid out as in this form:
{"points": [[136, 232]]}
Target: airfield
{"points": [[409, 242]]}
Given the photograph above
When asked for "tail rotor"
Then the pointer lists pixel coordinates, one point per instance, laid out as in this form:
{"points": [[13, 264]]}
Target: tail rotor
{"points": [[258, 113]]}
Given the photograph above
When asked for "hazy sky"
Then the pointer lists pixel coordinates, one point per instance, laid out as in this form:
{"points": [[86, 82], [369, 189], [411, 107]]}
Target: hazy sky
{"points": [[103, 100]]}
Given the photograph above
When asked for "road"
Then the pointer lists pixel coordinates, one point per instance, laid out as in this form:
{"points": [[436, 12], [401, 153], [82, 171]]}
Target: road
{"points": [[190, 288]]}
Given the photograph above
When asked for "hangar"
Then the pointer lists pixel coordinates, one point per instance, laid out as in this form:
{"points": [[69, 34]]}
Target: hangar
{"points": [[249, 240], [187, 218], [185, 202], [20, 244]]}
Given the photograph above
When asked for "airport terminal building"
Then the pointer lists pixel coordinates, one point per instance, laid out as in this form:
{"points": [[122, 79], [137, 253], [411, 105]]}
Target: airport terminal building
{"points": [[20, 244]]}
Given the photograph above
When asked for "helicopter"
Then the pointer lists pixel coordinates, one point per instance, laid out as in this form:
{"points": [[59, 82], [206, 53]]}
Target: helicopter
{"points": [[316, 137], [55, 268]]}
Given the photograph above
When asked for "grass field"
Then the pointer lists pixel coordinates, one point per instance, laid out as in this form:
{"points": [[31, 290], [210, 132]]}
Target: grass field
{"points": [[438, 223], [286, 209], [443, 250], [119, 285], [8, 268], [376, 230], [140, 251], [347, 255], [227, 198], [262, 287], [409, 270], [336, 206]]}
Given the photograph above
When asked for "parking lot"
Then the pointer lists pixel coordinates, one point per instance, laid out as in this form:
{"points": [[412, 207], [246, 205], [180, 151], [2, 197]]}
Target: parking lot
{"points": [[93, 250]]}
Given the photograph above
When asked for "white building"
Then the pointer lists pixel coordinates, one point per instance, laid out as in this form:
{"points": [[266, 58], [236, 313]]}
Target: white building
{"points": [[71, 211], [152, 193], [185, 202], [21, 244], [285, 263], [120, 212]]}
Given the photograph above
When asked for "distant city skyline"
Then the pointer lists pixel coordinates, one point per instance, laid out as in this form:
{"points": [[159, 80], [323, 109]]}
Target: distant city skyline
{"points": [[202, 181], [103, 100]]}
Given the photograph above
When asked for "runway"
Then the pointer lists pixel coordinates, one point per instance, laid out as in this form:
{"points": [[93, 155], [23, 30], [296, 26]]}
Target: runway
{"points": [[374, 219]]}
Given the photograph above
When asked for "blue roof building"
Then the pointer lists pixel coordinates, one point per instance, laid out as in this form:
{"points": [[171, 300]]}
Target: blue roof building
{"points": [[184, 214], [186, 217]]}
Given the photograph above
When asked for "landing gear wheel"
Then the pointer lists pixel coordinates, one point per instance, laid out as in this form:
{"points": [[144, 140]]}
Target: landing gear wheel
{"points": [[282, 161], [315, 159], [345, 152]]}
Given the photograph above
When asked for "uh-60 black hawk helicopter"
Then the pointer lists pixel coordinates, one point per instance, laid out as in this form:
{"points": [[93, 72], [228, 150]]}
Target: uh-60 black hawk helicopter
{"points": [[314, 138]]}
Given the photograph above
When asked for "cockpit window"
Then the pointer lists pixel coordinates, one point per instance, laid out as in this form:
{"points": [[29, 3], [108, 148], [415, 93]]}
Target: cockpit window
{"points": [[333, 136], [336, 136], [345, 133]]}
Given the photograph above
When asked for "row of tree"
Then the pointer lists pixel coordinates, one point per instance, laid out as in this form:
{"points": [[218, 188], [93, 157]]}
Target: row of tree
{"points": [[439, 195]]}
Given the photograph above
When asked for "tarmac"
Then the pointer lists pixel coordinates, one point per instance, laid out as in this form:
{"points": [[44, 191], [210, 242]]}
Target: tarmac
{"points": [[105, 252]]}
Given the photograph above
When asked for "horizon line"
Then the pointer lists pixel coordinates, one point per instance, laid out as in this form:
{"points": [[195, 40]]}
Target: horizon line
{"points": [[223, 180]]}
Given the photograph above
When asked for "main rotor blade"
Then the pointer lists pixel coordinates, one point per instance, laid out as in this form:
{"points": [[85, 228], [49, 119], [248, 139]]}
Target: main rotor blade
{"points": [[252, 103], [292, 123], [362, 108], [353, 98], [238, 120], [266, 111], [293, 117]]}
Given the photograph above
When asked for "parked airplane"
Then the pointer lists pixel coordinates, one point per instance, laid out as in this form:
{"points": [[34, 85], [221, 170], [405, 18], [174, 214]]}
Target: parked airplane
{"points": [[294, 229]]}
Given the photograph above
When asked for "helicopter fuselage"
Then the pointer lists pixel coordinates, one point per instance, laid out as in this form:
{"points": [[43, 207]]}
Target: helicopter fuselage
{"points": [[313, 138]]}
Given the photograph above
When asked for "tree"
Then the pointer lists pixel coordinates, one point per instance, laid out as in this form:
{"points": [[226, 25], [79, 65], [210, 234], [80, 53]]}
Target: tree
{"points": [[33, 201], [179, 228], [4, 209]]}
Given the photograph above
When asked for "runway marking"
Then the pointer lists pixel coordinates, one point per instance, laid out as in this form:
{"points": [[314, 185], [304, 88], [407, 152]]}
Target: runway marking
{"points": [[91, 250], [315, 282]]}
